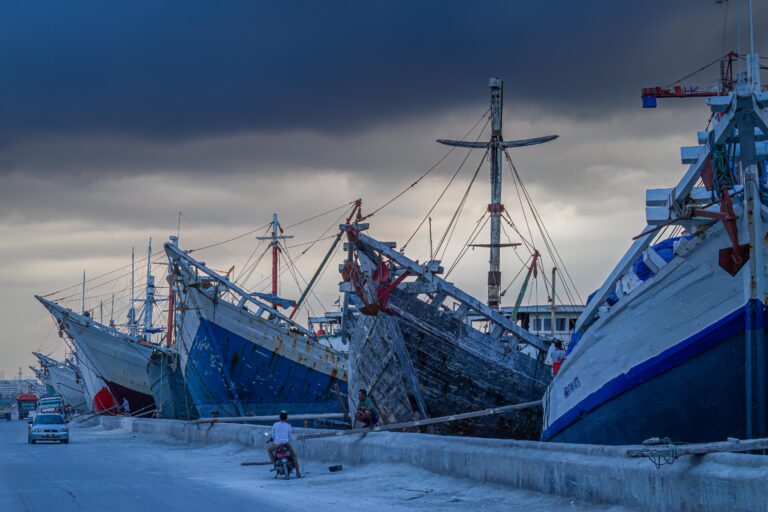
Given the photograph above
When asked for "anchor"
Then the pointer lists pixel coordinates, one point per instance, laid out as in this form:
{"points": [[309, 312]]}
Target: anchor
{"points": [[731, 259]]}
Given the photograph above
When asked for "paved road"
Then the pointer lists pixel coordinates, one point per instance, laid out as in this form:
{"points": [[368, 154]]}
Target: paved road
{"points": [[115, 471], [104, 473]]}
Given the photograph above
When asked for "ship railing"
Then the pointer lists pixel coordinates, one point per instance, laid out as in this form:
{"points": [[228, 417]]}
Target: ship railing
{"points": [[188, 262], [89, 321], [428, 280]]}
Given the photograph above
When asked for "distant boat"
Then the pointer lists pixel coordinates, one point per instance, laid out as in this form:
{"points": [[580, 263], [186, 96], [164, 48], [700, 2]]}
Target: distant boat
{"points": [[241, 356], [111, 355], [673, 343], [66, 381], [45, 378], [115, 357]]}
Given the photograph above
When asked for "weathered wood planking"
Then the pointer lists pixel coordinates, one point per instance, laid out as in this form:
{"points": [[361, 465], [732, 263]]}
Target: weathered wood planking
{"points": [[458, 369]]}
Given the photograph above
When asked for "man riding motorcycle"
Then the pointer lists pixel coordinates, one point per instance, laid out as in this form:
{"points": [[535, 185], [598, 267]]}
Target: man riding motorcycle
{"points": [[282, 433]]}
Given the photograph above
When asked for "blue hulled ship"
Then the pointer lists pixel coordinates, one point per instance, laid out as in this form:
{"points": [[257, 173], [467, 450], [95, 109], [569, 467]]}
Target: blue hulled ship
{"points": [[241, 356], [673, 343]]}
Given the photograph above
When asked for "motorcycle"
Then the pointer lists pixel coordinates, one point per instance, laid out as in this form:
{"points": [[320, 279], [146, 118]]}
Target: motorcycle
{"points": [[283, 466]]}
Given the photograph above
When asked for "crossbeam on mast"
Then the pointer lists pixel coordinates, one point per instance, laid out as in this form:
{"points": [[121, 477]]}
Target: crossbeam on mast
{"points": [[275, 244], [496, 145]]}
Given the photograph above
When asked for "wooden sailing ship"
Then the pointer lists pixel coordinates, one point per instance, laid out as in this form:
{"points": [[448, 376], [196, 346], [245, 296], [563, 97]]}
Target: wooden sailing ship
{"points": [[423, 348]]}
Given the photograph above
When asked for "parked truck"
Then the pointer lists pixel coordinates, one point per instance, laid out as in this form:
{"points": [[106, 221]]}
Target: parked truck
{"points": [[6, 408], [27, 402]]}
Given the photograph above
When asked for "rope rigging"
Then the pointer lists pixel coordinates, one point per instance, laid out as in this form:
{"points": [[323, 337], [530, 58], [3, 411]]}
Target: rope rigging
{"points": [[306, 283], [428, 171], [472, 237], [526, 203], [310, 244], [546, 237], [244, 278], [445, 189], [454, 219], [519, 272], [702, 68], [141, 263], [250, 257]]}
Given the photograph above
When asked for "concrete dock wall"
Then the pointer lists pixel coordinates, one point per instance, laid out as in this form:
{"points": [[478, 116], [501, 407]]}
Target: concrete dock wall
{"points": [[596, 474]]}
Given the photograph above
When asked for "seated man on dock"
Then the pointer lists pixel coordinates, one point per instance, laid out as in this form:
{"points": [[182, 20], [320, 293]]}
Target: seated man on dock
{"points": [[366, 409], [282, 433]]}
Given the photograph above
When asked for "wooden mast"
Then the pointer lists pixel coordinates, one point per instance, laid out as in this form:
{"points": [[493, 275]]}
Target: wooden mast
{"points": [[496, 147], [275, 242]]}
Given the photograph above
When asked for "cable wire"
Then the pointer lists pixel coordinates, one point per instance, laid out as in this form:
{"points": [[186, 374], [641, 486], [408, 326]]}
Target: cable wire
{"points": [[424, 175]]}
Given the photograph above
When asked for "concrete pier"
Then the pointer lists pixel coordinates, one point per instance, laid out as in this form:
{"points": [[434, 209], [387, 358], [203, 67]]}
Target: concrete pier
{"points": [[595, 474]]}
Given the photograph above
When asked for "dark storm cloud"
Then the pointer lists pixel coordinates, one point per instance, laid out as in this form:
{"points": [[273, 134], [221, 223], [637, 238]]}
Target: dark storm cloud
{"points": [[115, 116], [172, 70]]}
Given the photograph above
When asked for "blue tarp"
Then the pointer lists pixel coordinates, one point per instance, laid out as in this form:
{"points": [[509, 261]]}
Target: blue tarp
{"points": [[611, 300], [274, 299], [665, 249]]}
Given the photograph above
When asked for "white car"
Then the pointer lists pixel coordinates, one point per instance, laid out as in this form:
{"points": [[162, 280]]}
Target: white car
{"points": [[48, 427]]}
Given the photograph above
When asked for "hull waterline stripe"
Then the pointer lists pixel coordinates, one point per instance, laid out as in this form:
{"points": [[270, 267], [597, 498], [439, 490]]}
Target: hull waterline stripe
{"points": [[730, 325]]}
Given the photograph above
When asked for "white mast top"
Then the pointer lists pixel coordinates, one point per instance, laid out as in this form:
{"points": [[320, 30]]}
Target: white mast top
{"points": [[149, 299], [753, 60], [132, 309], [83, 306], [751, 31]]}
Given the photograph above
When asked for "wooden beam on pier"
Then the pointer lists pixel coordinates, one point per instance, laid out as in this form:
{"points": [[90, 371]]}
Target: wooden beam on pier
{"points": [[260, 419], [731, 445], [430, 421]]}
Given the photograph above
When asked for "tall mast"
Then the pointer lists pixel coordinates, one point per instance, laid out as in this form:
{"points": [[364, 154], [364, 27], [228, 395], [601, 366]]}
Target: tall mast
{"points": [[83, 302], [495, 207], [275, 243], [553, 311], [112, 313], [149, 299], [756, 401], [132, 309], [496, 146], [275, 249], [751, 31], [171, 298]]}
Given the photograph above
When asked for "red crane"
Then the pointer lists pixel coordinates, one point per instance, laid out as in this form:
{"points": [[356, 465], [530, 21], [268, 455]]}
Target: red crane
{"points": [[675, 90]]}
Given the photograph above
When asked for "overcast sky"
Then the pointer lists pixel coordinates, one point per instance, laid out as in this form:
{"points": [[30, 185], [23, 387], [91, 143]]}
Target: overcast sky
{"points": [[113, 118]]}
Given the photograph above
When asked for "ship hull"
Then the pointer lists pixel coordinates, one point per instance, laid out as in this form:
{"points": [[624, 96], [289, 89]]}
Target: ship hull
{"points": [[116, 359], [96, 391], [236, 364], [698, 395], [48, 383], [675, 359], [122, 364], [67, 384], [169, 388], [456, 369]]}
